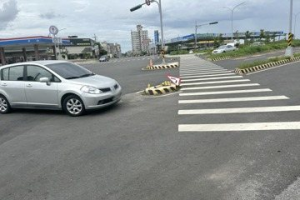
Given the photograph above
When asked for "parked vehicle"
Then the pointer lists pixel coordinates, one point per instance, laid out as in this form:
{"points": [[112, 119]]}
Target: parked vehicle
{"points": [[57, 85], [104, 58], [224, 48]]}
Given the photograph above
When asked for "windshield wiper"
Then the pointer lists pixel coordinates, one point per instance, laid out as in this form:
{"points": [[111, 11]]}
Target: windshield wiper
{"points": [[73, 77], [86, 75]]}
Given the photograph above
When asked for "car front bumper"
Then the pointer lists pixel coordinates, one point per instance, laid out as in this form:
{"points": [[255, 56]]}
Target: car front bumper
{"points": [[96, 101]]}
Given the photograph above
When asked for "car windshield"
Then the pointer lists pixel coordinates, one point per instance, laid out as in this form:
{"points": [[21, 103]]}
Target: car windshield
{"points": [[222, 47], [70, 70]]}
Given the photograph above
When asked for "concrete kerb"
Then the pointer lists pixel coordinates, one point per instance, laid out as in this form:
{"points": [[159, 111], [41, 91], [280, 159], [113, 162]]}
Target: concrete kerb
{"points": [[164, 88], [264, 66], [162, 66]]}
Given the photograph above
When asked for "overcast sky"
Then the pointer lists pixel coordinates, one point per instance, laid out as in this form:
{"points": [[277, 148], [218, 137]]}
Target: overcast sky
{"points": [[111, 20]]}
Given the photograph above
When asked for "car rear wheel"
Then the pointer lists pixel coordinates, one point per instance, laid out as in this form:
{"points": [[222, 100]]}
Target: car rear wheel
{"points": [[73, 106], [4, 105]]}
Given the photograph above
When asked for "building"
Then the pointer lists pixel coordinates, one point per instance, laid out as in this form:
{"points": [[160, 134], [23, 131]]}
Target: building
{"points": [[140, 40], [31, 48], [81, 47], [112, 49]]}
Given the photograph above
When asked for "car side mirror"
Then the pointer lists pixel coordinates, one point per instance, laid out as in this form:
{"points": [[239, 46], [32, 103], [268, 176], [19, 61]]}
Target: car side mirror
{"points": [[45, 80]]}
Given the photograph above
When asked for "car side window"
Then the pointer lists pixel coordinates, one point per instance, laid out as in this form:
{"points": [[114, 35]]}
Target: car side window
{"points": [[12, 73], [34, 73]]}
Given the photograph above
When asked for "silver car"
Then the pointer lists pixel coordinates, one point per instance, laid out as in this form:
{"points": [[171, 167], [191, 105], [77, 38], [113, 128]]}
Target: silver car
{"points": [[58, 85]]}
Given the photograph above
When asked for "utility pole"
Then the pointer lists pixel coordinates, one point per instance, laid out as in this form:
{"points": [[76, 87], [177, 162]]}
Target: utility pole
{"points": [[289, 49]]}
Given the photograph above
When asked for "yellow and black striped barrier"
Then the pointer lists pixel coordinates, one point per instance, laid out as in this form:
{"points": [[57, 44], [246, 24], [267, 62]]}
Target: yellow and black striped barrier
{"points": [[166, 66], [290, 39], [164, 88], [265, 66]]}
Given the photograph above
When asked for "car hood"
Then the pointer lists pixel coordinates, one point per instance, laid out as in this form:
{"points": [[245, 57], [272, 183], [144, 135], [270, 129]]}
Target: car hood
{"points": [[95, 81]]}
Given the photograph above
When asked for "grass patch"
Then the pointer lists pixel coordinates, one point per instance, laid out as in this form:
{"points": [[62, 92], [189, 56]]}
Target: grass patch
{"points": [[261, 62], [245, 50]]}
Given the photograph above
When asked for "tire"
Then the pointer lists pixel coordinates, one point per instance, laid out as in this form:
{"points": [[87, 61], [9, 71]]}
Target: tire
{"points": [[73, 106], [4, 105]]}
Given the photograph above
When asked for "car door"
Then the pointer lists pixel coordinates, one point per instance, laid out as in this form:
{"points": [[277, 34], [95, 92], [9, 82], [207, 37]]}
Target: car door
{"points": [[40, 94], [12, 84]]}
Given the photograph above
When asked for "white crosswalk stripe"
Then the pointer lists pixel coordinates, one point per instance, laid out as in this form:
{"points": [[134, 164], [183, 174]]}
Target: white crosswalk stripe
{"points": [[202, 76], [215, 82], [216, 78], [239, 97], [225, 92], [220, 86], [239, 127], [239, 110]]}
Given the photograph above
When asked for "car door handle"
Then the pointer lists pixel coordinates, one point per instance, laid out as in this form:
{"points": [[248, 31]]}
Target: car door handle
{"points": [[29, 85], [4, 84]]}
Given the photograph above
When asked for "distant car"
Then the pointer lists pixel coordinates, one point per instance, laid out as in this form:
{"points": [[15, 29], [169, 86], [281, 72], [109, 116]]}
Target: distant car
{"points": [[56, 85], [104, 58], [224, 48]]}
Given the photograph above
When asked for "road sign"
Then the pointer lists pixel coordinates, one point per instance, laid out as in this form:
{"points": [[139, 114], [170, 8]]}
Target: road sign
{"points": [[53, 30], [148, 2], [174, 80]]}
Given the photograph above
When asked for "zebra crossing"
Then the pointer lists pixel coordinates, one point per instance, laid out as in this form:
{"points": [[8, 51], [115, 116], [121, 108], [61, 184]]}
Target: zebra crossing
{"points": [[212, 95]]}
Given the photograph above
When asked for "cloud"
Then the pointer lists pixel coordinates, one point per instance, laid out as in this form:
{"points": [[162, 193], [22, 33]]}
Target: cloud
{"points": [[50, 15], [8, 13], [112, 20]]}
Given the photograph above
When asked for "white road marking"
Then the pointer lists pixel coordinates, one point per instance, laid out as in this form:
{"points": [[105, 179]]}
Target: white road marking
{"points": [[225, 92], [239, 99], [203, 73], [267, 126], [214, 82], [239, 110], [202, 70], [214, 78], [210, 75], [220, 86]]}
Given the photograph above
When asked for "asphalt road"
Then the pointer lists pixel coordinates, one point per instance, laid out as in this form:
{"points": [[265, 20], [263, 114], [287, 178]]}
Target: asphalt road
{"points": [[138, 150], [128, 72]]}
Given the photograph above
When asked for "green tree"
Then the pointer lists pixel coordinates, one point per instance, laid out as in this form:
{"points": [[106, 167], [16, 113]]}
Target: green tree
{"points": [[221, 39], [247, 37], [262, 34]]}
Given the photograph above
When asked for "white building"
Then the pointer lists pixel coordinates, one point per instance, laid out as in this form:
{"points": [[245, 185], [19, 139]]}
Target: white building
{"points": [[140, 40]]}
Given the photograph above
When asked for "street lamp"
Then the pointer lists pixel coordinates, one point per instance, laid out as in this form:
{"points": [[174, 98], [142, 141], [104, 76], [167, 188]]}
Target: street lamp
{"points": [[160, 14], [196, 29], [232, 10]]}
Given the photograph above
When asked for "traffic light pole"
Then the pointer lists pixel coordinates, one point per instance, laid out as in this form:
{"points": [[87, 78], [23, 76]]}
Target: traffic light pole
{"points": [[161, 20], [196, 29]]}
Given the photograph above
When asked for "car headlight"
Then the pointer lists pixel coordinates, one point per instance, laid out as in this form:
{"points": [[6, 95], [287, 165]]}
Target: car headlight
{"points": [[90, 90]]}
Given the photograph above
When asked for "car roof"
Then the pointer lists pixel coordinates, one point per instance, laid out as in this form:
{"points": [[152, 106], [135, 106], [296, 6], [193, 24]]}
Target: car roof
{"points": [[39, 62]]}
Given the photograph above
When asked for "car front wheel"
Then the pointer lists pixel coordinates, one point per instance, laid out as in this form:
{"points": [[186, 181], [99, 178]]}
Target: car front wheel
{"points": [[4, 105], [73, 106]]}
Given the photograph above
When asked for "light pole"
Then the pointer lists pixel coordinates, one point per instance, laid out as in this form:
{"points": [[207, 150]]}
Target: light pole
{"points": [[232, 10], [160, 15], [289, 49], [196, 29], [296, 15]]}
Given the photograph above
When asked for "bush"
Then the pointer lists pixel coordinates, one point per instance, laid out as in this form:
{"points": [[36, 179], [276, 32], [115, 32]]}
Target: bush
{"points": [[179, 52]]}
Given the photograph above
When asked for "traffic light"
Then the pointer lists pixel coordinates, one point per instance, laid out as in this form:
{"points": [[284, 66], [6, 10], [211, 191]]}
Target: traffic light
{"points": [[136, 7]]}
